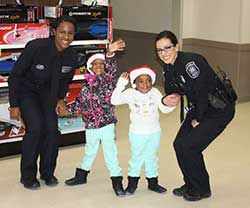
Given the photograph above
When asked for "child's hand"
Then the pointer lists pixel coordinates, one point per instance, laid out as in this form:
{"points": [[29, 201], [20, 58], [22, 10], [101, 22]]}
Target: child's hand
{"points": [[15, 113], [123, 79], [171, 100], [61, 108], [118, 45], [125, 75]]}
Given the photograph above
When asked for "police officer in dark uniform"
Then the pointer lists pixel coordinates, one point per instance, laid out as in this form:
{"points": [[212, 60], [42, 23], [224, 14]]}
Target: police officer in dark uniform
{"points": [[208, 112], [37, 86]]}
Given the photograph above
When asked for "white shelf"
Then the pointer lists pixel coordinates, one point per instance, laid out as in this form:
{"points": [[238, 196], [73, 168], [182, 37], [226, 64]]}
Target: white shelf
{"points": [[3, 84], [75, 78], [89, 42], [69, 131], [78, 77], [12, 46], [74, 43], [17, 139], [9, 140]]}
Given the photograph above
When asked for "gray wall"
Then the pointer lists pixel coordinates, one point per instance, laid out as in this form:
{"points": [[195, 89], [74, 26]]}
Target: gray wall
{"points": [[233, 58], [139, 51], [142, 15], [138, 22]]}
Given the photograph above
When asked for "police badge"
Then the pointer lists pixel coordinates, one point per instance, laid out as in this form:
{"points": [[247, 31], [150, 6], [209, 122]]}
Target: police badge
{"points": [[192, 70]]}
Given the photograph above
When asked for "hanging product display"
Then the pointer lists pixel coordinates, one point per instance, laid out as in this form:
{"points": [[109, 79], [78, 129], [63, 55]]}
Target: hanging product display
{"points": [[18, 33], [21, 23], [14, 14], [93, 22], [15, 33]]}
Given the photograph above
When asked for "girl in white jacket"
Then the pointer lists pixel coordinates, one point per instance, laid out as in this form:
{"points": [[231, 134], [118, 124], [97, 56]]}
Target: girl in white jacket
{"points": [[144, 100]]}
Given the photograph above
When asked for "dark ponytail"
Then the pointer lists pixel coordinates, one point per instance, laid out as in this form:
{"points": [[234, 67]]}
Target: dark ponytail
{"points": [[168, 35]]}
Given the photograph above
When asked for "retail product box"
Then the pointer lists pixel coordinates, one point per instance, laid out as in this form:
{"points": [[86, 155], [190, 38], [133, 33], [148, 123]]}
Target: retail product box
{"points": [[98, 2], [16, 33], [74, 123], [94, 23], [52, 11], [8, 58], [13, 14], [85, 51]]}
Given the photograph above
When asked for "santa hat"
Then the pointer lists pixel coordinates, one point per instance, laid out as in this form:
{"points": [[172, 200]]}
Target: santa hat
{"points": [[135, 72], [92, 58]]}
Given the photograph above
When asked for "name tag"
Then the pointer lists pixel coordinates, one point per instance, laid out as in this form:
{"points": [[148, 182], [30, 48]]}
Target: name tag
{"points": [[66, 69], [40, 67]]}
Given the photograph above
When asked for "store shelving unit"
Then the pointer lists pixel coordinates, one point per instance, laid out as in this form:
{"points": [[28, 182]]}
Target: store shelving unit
{"points": [[76, 135]]}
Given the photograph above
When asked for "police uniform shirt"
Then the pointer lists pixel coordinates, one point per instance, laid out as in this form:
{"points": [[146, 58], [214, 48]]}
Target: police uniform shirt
{"points": [[42, 69], [192, 76]]}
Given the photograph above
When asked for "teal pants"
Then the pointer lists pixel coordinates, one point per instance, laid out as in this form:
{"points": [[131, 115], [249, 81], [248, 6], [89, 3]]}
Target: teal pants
{"points": [[105, 136], [144, 150]]}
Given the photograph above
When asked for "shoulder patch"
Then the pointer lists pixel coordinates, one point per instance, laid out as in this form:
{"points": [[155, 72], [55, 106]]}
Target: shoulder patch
{"points": [[192, 70]]}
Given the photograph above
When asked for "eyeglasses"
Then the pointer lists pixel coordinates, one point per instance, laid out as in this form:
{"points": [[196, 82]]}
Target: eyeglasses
{"points": [[166, 49]]}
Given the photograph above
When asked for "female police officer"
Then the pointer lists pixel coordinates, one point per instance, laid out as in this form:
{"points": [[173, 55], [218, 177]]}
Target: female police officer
{"points": [[37, 86], [189, 74]]}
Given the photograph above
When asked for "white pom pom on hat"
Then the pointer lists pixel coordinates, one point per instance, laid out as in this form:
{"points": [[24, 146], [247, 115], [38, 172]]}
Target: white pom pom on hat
{"points": [[145, 69], [92, 58]]}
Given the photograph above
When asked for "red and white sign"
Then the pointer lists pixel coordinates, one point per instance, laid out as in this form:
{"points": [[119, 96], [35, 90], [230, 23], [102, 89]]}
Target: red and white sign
{"points": [[22, 32]]}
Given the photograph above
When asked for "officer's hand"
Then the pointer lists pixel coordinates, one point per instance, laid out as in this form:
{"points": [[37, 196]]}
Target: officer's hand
{"points": [[61, 108], [15, 113], [194, 123], [171, 100]]}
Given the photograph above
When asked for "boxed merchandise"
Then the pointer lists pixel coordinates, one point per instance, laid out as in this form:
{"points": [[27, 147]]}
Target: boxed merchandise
{"points": [[98, 2], [74, 123], [85, 51], [93, 22], [14, 33], [8, 58], [13, 14]]}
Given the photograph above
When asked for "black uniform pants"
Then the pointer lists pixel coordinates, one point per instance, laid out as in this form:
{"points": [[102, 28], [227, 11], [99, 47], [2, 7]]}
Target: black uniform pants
{"points": [[41, 136], [190, 143]]}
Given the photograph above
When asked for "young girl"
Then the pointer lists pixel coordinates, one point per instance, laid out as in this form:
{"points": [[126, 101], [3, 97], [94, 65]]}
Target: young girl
{"points": [[144, 132], [99, 116]]}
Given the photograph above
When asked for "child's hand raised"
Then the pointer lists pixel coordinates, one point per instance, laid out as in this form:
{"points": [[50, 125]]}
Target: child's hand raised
{"points": [[123, 79], [118, 45], [125, 75]]}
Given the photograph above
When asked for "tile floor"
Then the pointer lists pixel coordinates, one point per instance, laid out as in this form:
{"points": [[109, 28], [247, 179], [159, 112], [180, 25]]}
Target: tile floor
{"points": [[227, 160]]}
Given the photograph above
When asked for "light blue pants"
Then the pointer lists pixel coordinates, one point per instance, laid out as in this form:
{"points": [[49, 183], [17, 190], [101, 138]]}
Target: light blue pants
{"points": [[105, 136], [144, 150]]}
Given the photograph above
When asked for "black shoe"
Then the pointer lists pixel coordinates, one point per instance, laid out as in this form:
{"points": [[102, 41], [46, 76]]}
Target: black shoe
{"points": [[195, 196], [132, 185], [153, 185], [158, 189], [79, 178], [120, 192], [181, 190], [32, 185], [117, 186], [50, 181]]}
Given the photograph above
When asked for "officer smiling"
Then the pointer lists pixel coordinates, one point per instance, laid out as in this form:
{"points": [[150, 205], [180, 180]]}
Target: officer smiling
{"points": [[189, 74], [37, 85]]}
